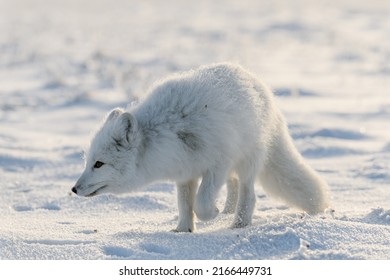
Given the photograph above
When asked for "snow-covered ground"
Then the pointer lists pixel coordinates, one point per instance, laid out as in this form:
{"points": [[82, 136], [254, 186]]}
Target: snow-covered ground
{"points": [[65, 64]]}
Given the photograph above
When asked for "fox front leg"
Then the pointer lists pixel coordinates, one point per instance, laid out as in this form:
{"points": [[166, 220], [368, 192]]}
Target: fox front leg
{"points": [[212, 181], [185, 198]]}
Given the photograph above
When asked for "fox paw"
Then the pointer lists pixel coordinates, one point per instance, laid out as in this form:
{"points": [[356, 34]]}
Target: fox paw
{"points": [[207, 215], [240, 223], [182, 230]]}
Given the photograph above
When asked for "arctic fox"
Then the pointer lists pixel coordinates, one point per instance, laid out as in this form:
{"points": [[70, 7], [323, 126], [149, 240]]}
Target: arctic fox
{"points": [[218, 124]]}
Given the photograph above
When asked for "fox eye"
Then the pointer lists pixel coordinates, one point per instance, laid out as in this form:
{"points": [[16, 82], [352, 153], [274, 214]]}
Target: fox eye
{"points": [[98, 164]]}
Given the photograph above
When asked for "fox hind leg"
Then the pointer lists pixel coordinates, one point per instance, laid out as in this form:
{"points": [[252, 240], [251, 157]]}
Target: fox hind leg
{"points": [[246, 196], [232, 195]]}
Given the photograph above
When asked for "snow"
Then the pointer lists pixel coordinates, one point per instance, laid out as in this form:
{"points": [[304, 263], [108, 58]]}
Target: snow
{"points": [[65, 64]]}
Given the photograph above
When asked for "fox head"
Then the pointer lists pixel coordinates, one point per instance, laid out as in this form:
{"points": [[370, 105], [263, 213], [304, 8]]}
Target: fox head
{"points": [[111, 162]]}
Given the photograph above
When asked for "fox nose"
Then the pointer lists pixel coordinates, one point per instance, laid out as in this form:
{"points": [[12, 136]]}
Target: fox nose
{"points": [[74, 190]]}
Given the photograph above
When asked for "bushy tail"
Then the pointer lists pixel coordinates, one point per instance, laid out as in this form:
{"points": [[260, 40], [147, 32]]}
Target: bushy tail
{"points": [[288, 177]]}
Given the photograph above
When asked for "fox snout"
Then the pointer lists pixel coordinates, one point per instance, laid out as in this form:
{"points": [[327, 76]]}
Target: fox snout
{"points": [[77, 186], [88, 190], [74, 189]]}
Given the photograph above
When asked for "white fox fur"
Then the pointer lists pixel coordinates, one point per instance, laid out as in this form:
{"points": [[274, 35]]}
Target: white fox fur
{"points": [[218, 124]]}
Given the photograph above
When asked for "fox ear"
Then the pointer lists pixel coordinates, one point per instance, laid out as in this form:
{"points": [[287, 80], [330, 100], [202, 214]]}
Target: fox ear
{"points": [[125, 128], [114, 114]]}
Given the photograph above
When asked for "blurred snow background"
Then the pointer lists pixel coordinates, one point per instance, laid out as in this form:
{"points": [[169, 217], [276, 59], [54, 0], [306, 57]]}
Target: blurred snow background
{"points": [[65, 64]]}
